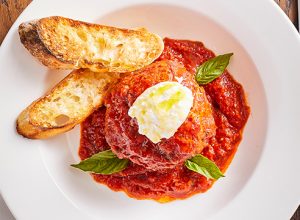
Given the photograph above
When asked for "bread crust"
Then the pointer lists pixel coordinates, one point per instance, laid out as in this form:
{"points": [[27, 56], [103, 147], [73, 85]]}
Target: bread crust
{"points": [[27, 130], [31, 41], [66, 105], [63, 43]]}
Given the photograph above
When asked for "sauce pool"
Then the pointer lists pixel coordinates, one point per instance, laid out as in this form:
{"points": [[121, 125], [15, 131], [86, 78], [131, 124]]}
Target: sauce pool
{"points": [[230, 112]]}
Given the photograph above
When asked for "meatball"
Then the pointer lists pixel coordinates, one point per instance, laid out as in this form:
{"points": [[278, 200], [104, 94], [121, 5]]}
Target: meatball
{"points": [[121, 131]]}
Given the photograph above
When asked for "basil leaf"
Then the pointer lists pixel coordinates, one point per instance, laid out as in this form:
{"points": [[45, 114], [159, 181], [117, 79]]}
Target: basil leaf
{"points": [[212, 68], [105, 162], [204, 166]]}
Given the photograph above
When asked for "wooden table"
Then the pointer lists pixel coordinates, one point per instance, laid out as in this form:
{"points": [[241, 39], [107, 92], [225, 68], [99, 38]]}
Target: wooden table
{"points": [[10, 10]]}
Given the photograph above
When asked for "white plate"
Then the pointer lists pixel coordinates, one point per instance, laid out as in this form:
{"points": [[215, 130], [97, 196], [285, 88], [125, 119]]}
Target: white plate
{"points": [[263, 179]]}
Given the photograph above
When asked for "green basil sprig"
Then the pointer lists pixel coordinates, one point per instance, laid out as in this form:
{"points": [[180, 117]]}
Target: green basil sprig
{"points": [[212, 68], [105, 162], [204, 166]]}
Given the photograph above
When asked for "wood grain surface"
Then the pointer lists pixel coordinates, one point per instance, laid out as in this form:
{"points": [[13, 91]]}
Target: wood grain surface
{"points": [[9, 12], [11, 9], [290, 7]]}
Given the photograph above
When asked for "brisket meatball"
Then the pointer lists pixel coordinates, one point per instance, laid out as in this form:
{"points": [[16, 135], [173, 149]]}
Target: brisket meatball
{"points": [[121, 131]]}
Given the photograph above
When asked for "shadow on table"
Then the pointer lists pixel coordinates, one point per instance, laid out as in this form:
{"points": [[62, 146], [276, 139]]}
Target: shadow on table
{"points": [[4, 211]]}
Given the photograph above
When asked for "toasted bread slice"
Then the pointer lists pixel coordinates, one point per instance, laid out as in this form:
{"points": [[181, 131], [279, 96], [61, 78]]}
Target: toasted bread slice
{"points": [[26, 129], [67, 104], [64, 43]]}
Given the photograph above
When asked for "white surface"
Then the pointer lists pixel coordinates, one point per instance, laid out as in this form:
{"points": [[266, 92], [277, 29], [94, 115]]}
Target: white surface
{"points": [[262, 181]]}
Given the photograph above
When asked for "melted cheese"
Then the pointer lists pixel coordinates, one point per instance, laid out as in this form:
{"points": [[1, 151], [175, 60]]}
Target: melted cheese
{"points": [[161, 109]]}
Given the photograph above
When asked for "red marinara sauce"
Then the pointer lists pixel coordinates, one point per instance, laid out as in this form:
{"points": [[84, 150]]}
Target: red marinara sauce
{"points": [[230, 112]]}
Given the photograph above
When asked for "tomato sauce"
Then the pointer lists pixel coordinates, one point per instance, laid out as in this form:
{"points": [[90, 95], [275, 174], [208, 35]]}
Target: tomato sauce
{"points": [[230, 112]]}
